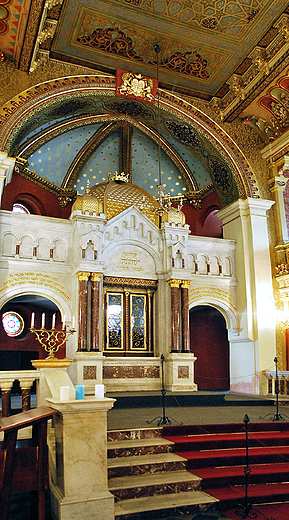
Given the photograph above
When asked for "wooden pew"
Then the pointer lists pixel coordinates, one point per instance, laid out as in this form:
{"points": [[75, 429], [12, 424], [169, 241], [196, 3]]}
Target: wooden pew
{"points": [[30, 463]]}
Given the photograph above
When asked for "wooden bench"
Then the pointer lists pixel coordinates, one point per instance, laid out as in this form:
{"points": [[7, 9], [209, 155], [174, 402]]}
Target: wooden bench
{"points": [[30, 464]]}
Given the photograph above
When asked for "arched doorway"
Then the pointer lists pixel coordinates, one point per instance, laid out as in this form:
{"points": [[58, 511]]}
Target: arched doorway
{"points": [[209, 342], [18, 346]]}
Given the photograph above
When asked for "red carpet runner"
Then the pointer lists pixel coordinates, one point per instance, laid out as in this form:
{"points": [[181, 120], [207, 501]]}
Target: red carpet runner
{"points": [[217, 453]]}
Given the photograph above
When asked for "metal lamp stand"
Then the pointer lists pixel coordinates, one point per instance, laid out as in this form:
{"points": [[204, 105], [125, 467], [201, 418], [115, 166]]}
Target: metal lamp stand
{"points": [[162, 421], [277, 416], [247, 509]]}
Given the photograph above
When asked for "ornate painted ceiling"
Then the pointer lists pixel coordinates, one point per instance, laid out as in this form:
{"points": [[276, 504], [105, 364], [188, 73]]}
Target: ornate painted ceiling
{"points": [[229, 53], [202, 42]]}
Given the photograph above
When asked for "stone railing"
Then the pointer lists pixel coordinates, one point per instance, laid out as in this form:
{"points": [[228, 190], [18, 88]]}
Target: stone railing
{"points": [[25, 378], [283, 378]]}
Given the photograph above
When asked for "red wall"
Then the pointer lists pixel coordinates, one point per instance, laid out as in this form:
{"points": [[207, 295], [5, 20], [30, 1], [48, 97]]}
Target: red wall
{"points": [[26, 342], [209, 343], [38, 200]]}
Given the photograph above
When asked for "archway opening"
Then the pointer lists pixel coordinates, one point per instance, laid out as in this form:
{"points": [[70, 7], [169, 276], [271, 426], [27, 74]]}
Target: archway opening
{"points": [[18, 345], [209, 342]]}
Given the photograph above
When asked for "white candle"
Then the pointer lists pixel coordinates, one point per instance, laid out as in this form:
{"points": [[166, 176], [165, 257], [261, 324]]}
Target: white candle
{"points": [[63, 323], [73, 322], [43, 320], [32, 319], [99, 391], [64, 393], [53, 321]]}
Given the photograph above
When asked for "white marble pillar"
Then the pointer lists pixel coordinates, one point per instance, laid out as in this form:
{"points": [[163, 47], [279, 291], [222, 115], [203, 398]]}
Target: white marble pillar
{"points": [[79, 482], [277, 186], [254, 349]]}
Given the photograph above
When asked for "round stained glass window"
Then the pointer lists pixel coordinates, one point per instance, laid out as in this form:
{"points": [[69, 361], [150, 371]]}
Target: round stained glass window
{"points": [[13, 323]]}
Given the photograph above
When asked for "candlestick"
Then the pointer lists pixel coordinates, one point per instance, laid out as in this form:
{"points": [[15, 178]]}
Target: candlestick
{"points": [[51, 339], [79, 392], [99, 391], [64, 393]]}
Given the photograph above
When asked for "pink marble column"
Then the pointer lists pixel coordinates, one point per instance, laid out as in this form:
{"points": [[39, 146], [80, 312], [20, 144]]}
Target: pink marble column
{"points": [[82, 315], [95, 292], [185, 316], [175, 314]]}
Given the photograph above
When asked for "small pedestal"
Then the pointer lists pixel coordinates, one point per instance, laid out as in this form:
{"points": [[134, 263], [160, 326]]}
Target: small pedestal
{"points": [[180, 372], [89, 369], [79, 484], [52, 375]]}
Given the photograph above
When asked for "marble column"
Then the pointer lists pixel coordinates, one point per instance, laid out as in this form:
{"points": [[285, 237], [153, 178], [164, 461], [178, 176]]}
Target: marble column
{"points": [[185, 316], [95, 304], [83, 308], [26, 394], [175, 314], [79, 483], [6, 397]]}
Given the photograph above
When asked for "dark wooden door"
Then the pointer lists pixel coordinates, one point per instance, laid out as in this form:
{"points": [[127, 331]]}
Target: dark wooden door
{"points": [[209, 343]]}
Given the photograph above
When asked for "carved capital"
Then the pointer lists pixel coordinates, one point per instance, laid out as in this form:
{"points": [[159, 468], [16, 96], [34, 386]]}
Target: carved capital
{"points": [[185, 284], [96, 277], [174, 283], [83, 276]]}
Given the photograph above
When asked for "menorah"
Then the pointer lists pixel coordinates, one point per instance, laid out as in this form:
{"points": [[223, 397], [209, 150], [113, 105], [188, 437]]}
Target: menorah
{"points": [[51, 339]]}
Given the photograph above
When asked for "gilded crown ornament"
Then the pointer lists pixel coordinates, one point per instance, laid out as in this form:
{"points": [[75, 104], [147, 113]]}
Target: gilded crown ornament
{"points": [[118, 176]]}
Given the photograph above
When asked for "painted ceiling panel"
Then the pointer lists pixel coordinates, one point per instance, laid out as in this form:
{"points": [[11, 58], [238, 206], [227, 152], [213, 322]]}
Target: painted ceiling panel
{"points": [[201, 43], [145, 167], [52, 160]]}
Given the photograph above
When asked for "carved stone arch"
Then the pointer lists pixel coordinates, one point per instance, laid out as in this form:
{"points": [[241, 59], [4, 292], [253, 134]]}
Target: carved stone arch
{"points": [[226, 309], [27, 106]]}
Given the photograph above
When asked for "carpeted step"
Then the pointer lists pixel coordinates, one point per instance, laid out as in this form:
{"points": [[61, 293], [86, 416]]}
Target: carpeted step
{"points": [[195, 429], [172, 502], [234, 475], [124, 488], [257, 493], [228, 440], [127, 448], [236, 457], [155, 463]]}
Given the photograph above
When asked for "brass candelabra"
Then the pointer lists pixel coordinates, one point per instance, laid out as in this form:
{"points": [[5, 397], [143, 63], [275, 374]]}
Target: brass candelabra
{"points": [[51, 339]]}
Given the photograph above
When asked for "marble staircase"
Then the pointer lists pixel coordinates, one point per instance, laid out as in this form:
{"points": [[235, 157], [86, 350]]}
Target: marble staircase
{"points": [[145, 475]]}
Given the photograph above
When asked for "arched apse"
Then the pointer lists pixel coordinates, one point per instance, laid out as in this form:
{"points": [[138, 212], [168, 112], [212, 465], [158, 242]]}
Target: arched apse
{"points": [[200, 155], [209, 343]]}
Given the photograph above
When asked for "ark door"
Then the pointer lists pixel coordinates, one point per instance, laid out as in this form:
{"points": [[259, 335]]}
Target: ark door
{"points": [[209, 343]]}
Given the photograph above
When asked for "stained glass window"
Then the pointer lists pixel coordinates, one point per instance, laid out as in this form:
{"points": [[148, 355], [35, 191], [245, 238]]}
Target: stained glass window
{"points": [[114, 311], [138, 322], [13, 323]]}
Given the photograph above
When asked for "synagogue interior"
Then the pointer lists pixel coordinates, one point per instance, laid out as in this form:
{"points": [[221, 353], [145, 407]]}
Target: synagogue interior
{"points": [[144, 159]]}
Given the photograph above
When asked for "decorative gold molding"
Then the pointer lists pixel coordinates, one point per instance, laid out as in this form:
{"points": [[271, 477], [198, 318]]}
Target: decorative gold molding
{"points": [[83, 276], [96, 277], [64, 195], [186, 284], [174, 283], [196, 293]]}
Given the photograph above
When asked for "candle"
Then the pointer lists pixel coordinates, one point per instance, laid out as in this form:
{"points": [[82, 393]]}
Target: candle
{"points": [[53, 321], [63, 323], [99, 391], [64, 393], [32, 319], [43, 320], [79, 392], [73, 322]]}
